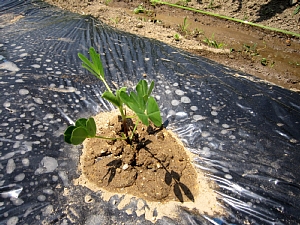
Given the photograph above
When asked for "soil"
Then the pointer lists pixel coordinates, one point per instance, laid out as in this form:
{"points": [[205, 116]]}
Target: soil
{"points": [[155, 167], [271, 56]]}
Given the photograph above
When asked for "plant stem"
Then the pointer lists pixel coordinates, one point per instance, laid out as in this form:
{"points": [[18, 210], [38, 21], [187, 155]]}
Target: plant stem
{"points": [[125, 127], [134, 129], [106, 85], [108, 138]]}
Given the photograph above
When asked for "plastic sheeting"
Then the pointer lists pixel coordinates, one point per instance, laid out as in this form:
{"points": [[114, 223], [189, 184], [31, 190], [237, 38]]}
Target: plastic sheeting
{"points": [[245, 132]]}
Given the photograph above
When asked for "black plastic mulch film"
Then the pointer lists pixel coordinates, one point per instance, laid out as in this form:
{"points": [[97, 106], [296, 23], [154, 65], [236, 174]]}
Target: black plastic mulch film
{"points": [[245, 132]]}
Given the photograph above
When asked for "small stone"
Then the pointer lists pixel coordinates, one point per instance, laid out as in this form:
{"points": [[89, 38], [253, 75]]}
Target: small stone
{"points": [[139, 25], [125, 167], [88, 199]]}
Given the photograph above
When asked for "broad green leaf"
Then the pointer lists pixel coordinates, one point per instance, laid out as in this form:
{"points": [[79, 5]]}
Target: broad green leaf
{"points": [[138, 100], [112, 98], [81, 122], [118, 94], [144, 118], [123, 89], [150, 88], [127, 100], [79, 134], [153, 112], [68, 134], [142, 87], [130, 103], [91, 127]]}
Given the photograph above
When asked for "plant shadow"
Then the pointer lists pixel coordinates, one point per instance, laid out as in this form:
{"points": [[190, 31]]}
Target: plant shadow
{"points": [[179, 188], [113, 166]]}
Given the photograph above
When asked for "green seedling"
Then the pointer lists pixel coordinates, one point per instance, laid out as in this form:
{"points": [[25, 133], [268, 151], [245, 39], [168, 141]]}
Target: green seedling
{"points": [[139, 101], [212, 42], [297, 10], [183, 26], [176, 37], [251, 49], [211, 4], [139, 9], [196, 32], [106, 2], [115, 20], [183, 2], [294, 63], [266, 62]]}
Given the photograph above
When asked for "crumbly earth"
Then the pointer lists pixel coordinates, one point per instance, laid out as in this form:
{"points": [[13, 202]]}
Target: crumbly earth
{"points": [[271, 56], [154, 167]]}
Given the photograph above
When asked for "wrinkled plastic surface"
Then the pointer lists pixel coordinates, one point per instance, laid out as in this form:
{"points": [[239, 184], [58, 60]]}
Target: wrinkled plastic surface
{"points": [[245, 132]]}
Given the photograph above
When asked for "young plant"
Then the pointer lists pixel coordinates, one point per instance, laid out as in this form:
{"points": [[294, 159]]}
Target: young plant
{"points": [[139, 101], [212, 42], [106, 2], [139, 9], [183, 2], [115, 20], [183, 26], [297, 10], [251, 49], [176, 37], [211, 4]]}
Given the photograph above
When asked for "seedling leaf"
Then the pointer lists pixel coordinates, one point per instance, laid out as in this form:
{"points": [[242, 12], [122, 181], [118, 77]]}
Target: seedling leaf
{"points": [[138, 100], [79, 134], [144, 118], [88, 65], [150, 88], [91, 127], [68, 134], [153, 112], [129, 101], [81, 122], [95, 67], [112, 98], [141, 87], [97, 62]]}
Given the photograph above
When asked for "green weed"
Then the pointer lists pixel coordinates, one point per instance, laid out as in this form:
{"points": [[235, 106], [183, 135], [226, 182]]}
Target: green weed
{"points": [[115, 20], [176, 37], [183, 2], [183, 27], [106, 2], [139, 9], [251, 49], [212, 42], [297, 10]]}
